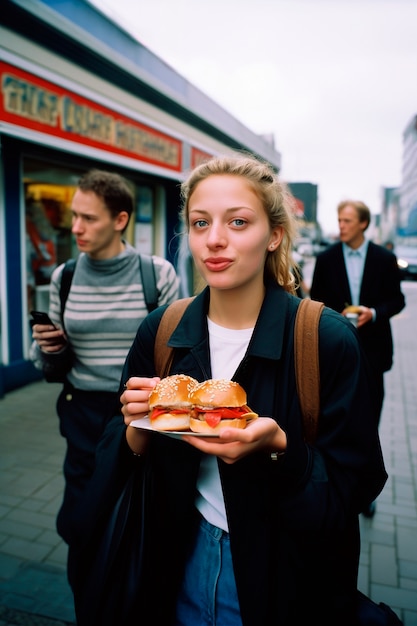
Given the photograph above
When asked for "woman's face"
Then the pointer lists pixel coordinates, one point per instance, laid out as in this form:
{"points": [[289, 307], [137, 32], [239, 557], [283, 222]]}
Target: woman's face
{"points": [[229, 232]]}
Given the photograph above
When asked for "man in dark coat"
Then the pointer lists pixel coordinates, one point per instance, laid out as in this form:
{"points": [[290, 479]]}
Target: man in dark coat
{"points": [[358, 272]]}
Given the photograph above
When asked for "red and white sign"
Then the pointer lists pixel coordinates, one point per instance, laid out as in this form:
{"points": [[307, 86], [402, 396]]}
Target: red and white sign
{"points": [[34, 103], [198, 156]]}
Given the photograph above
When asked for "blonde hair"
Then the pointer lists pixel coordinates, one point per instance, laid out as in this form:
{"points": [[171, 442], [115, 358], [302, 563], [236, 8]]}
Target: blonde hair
{"points": [[276, 200]]}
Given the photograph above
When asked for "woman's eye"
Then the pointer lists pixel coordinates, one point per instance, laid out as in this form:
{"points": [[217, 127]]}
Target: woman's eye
{"points": [[200, 223], [239, 222]]}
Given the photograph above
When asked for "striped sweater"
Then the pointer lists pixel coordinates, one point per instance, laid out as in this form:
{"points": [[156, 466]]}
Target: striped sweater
{"points": [[104, 309]]}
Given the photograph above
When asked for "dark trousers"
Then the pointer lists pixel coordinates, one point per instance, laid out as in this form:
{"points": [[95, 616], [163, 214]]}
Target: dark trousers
{"points": [[83, 416], [379, 392]]}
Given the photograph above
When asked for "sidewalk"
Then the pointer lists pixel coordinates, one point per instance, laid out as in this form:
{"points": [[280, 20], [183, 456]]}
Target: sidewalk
{"points": [[388, 570], [33, 586], [33, 583]]}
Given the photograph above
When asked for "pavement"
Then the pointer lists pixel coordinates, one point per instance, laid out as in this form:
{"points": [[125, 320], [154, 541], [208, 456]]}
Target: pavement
{"points": [[33, 585]]}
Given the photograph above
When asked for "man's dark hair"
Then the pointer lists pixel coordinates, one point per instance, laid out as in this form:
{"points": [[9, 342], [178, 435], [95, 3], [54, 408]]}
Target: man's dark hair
{"points": [[112, 188]]}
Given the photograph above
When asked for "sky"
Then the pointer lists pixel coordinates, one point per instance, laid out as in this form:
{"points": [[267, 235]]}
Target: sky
{"points": [[334, 81]]}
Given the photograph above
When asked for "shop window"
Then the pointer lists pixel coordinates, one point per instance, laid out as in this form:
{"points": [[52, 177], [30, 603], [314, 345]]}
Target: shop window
{"points": [[49, 241], [48, 235]]}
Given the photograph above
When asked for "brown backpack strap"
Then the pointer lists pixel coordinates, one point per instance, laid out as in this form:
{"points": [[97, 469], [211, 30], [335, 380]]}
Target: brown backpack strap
{"points": [[163, 354], [307, 371]]}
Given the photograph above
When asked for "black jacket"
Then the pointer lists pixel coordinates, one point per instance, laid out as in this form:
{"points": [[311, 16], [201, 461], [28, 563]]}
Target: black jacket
{"points": [[293, 524], [380, 290]]}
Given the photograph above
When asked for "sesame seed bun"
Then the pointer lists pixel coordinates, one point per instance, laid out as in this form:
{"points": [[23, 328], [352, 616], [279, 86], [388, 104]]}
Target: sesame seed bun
{"points": [[219, 404], [217, 392], [170, 404]]}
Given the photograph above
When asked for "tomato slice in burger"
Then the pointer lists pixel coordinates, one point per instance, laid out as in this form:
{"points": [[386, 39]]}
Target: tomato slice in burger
{"points": [[213, 418], [232, 413]]}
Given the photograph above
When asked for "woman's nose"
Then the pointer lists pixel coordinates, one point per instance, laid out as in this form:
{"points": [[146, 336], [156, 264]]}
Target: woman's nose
{"points": [[216, 237]]}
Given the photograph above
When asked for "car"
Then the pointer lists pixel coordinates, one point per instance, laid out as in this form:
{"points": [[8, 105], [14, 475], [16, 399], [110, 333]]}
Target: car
{"points": [[305, 249], [298, 258], [407, 261]]}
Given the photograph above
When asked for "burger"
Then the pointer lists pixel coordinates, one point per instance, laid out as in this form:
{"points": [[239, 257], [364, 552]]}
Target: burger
{"points": [[352, 308], [170, 404], [218, 404]]}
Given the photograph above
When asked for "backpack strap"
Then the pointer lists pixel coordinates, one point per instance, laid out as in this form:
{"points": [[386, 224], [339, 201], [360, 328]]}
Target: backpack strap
{"points": [[150, 291], [307, 370], [66, 280], [163, 354]]}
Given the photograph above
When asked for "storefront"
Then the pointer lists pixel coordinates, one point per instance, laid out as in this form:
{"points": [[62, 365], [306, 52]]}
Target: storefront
{"points": [[59, 118]]}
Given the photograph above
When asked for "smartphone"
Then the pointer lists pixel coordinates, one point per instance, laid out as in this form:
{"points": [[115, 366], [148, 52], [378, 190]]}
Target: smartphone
{"points": [[40, 317]]}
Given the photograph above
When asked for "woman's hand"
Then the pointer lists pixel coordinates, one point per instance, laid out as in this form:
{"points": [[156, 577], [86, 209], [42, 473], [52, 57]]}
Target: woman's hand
{"points": [[135, 398], [48, 338], [135, 405], [233, 444]]}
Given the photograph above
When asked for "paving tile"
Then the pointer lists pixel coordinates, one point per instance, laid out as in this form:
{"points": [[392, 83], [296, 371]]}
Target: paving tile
{"points": [[407, 568], [407, 544], [384, 568], [410, 618], [12, 617], [28, 550], [375, 534], [36, 520], [15, 529], [58, 555], [395, 596], [39, 588], [7, 499], [9, 565], [32, 504], [408, 583]]}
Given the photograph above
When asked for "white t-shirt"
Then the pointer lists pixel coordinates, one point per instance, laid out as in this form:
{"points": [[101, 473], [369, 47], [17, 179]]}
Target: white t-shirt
{"points": [[227, 349]]}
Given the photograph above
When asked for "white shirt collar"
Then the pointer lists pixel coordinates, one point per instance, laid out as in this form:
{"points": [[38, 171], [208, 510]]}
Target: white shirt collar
{"points": [[361, 251]]}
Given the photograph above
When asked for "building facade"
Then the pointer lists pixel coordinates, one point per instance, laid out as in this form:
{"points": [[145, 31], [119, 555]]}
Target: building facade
{"points": [[407, 226], [388, 226], [77, 92]]}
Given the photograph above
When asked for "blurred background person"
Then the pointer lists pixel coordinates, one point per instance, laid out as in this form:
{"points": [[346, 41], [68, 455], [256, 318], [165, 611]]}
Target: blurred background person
{"points": [[356, 271], [105, 305]]}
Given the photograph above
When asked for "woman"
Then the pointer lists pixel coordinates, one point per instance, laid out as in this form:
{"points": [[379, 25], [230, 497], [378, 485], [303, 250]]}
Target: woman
{"points": [[255, 527]]}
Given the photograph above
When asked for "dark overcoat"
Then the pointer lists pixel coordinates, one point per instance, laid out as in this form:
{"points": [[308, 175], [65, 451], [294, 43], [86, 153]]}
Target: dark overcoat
{"points": [[380, 289], [293, 523]]}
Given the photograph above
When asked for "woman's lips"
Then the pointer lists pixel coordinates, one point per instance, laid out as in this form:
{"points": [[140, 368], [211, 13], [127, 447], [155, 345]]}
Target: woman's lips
{"points": [[217, 264]]}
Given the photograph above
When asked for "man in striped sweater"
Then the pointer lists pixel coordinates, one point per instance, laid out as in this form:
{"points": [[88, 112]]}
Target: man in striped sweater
{"points": [[104, 308]]}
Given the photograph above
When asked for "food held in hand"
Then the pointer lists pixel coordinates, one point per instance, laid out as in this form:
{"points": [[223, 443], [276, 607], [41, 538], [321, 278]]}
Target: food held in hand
{"points": [[352, 308], [219, 404], [170, 404]]}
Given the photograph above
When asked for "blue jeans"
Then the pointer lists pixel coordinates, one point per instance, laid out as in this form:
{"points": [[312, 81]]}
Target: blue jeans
{"points": [[208, 596]]}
